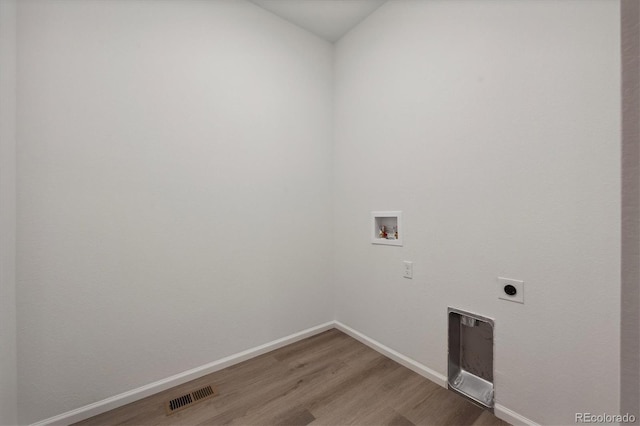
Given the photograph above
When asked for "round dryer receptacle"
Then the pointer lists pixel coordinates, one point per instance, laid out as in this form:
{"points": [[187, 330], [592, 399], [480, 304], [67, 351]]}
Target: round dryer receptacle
{"points": [[510, 290]]}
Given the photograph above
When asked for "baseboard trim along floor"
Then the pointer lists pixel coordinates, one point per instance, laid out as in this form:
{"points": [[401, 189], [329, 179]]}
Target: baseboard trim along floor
{"points": [[122, 399]]}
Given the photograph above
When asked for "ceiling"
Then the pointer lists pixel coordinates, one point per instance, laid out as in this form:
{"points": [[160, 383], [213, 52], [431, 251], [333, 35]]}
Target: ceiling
{"points": [[328, 19]]}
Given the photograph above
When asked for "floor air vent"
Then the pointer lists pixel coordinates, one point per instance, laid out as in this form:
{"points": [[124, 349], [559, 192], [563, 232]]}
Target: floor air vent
{"points": [[186, 401]]}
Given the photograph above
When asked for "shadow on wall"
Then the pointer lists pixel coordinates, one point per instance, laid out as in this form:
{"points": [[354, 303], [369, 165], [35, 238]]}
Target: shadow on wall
{"points": [[630, 264]]}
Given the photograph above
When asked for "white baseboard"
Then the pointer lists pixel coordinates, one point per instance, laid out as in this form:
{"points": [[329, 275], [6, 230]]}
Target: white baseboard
{"points": [[411, 364], [512, 417], [128, 397]]}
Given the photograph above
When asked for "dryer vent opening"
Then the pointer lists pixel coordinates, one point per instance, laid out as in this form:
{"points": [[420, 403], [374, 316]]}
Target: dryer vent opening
{"points": [[470, 365]]}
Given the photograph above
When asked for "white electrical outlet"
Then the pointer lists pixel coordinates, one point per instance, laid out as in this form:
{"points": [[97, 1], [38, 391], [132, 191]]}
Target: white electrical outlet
{"points": [[511, 290], [408, 269]]}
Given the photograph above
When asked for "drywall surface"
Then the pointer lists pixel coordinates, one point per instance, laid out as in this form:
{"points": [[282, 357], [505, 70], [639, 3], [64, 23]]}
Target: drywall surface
{"points": [[495, 127], [8, 375], [630, 300], [329, 20], [173, 189]]}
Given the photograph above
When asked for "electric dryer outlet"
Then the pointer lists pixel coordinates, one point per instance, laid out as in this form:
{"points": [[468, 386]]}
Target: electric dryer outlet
{"points": [[511, 290]]}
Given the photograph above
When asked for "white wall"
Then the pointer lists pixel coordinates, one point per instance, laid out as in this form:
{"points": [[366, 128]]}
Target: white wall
{"points": [[174, 191], [495, 127], [8, 375]]}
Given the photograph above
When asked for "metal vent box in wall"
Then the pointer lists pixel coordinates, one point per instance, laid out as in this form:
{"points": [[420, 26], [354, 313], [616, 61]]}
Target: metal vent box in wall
{"points": [[470, 366]]}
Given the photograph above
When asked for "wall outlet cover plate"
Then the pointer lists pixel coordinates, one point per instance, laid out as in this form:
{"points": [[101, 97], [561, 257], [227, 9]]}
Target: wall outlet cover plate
{"points": [[408, 269], [511, 290]]}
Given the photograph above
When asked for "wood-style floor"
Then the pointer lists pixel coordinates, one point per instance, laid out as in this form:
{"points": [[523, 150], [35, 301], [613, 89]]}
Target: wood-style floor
{"points": [[327, 379]]}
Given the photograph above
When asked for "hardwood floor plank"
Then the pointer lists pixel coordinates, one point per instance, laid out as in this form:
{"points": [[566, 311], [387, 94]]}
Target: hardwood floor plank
{"points": [[310, 392], [298, 418], [488, 419], [330, 340], [367, 399], [438, 406], [399, 420], [300, 381], [327, 379]]}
